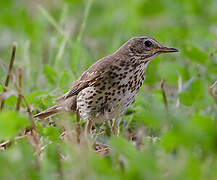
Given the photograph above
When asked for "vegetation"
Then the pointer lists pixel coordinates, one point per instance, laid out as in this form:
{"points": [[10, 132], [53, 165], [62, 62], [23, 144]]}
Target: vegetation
{"points": [[170, 132]]}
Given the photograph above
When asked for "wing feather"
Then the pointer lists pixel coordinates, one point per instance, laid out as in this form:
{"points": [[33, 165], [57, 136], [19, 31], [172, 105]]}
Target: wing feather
{"points": [[88, 78]]}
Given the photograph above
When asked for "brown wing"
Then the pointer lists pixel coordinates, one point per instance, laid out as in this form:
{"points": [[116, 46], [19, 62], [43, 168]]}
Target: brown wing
{"points": [[89, 77]]}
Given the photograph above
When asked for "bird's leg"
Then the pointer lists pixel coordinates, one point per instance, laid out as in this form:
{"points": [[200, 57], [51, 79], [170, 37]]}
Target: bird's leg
{"points": [[88, 127], [78, 129], [87, 132], [115, 127]]}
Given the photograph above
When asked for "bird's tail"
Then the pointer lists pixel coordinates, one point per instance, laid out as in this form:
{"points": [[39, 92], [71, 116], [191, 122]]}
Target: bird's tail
{"points": [[68, 105], [49, 112]]}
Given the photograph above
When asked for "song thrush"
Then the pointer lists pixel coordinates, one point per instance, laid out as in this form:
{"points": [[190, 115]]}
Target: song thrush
{"points": [[110, 85]]}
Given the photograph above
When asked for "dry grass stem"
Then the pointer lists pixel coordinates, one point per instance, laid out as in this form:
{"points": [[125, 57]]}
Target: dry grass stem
{"points": [[19, 87], [33, 136], [9, 72], [29, 111], [6, 143]]}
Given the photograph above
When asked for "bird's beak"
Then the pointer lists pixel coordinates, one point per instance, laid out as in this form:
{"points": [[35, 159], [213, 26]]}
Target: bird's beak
{"points": [[166, 50]]}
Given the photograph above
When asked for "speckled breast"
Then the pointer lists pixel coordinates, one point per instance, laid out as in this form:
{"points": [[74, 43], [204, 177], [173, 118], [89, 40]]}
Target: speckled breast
{"points": [[110, 96]]}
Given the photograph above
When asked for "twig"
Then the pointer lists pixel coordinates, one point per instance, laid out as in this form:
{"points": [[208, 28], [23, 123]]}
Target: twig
{"points": [[33, 138], [29, 111], [33, 135], [19, 87], [9, 72], [4, 143], [162, 85], [8, 141]]}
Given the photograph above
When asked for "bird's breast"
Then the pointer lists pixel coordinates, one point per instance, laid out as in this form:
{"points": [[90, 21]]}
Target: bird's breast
{"points": [[110, 96]]}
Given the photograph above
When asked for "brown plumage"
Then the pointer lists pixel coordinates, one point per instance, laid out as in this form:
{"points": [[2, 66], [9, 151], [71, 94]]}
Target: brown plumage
{"points": [[110, 85]]}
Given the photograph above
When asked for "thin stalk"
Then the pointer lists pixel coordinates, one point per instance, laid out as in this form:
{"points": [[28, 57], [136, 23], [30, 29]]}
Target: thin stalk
{"points": [[9, 72], [20, 75], [87, 9], [29, 112]]}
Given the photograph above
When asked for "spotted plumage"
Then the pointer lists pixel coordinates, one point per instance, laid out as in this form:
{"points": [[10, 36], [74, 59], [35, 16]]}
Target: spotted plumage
{"points": [[110, 85]]}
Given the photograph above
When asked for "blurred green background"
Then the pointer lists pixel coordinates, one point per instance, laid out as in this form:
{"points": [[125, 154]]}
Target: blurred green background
{"points": [[58, 40]]}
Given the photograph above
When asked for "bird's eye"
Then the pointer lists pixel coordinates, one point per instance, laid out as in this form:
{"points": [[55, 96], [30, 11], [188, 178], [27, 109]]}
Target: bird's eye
{"points": [[148, 43]]}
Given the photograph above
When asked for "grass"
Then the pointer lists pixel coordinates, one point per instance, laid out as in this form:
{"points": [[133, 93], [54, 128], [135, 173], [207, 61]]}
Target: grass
{"points": [[170, 132]]}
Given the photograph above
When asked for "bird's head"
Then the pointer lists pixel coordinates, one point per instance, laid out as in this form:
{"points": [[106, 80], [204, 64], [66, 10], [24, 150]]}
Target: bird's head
{"points": [[146, 47]]}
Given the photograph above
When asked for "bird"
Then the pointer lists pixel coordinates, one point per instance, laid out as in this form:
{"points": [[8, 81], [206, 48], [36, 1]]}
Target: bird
{"points": [[108, 87]]}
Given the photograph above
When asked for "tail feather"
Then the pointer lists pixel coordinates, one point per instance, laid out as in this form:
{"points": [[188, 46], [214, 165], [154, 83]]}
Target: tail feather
{"points": [[68, 105], [49, 112]]}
